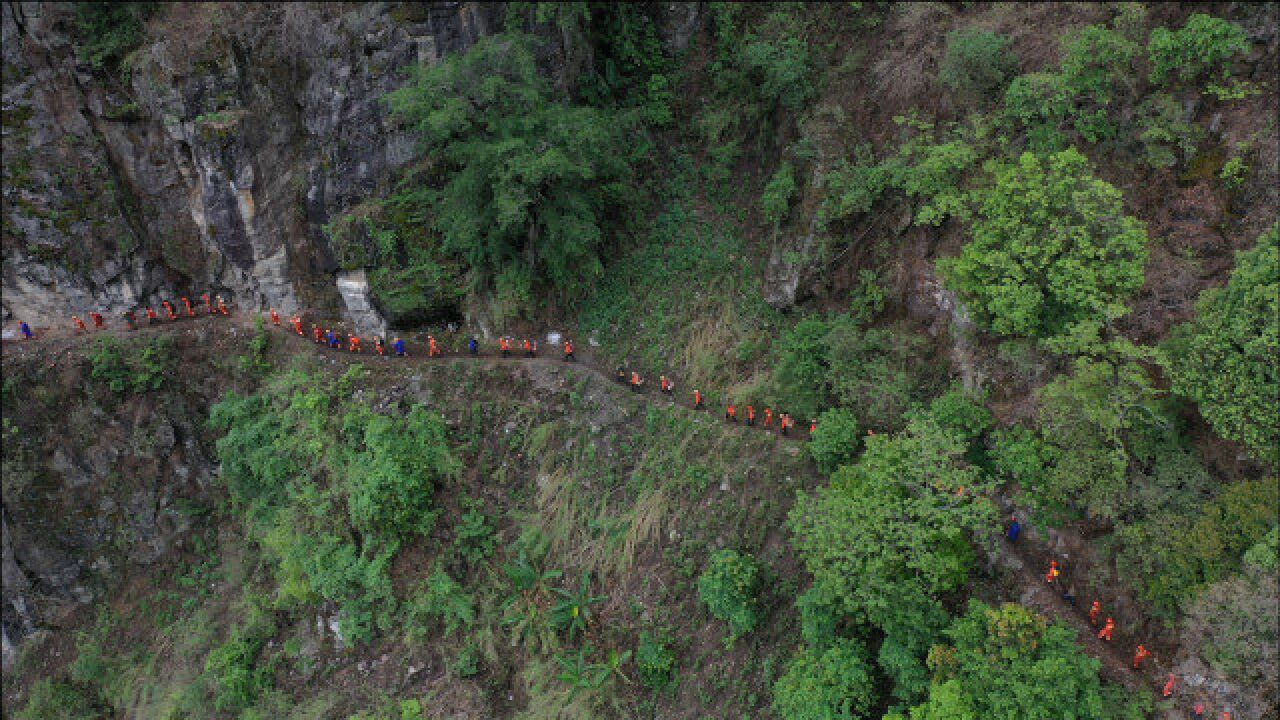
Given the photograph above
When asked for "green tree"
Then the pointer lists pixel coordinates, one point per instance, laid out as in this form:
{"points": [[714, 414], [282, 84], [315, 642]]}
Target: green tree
{"points": [[1097, 71], [836, 440], [775, 203], [1040, 103], [895, 525], [392, 479], [977, 61], [1051, 248], [1204, 43], [1093, 422], [831, 683], [107, 31], [1008, 663], [729, 587], [528, 179], [1225, 359]]}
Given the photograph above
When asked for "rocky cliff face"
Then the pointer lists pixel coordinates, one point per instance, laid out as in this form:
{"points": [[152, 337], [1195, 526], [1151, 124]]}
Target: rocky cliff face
{"points": [[237, 133], [95, 484]]}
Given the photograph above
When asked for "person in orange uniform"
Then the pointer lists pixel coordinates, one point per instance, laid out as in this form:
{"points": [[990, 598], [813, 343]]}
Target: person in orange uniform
{"points": [[505, 344], [168, 309], [1139, 655], [152, 317], [275, 317], [222, 306], [377, 345], [1169, 685], [528, 348], [297, 326], [317, 333], [697, 400], [568, 351], [636, 381], [785, 422], [1051, 577], [768, 417], [813, 426], [355, 344], [80, 326], [731, 413], [1108, 629], [433, 348], [97, 319], [751, 415], [1094, 609], [187, 303]]}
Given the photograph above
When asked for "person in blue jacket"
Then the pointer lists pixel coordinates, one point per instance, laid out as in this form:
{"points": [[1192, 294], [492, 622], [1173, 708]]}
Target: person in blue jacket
{"points": [[473, 347], [399, 347], [1015, 529], [26, 330]]}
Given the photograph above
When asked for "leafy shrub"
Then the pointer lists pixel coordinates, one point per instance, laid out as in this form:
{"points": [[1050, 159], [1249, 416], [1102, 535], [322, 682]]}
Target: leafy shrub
{"points": [[1235, 625], [834, 682], [1203, 44], [1234, 172], [1224, 359], [1175, 554], [442, 598], [896, 525], [148, 370], [107, 31], [53, 700], [959, 413], [572, 611], [1041, 103], [820, 616], [977, 61], [803, 374], [1092, 423], [775, 203], [655, 662], [391, 481], [233, 666], [524, 175], [1007, 662], [1097, 70], [836, 440], [1051, 248], [1166, 136], [729, 586], [475, 534], [778, 70], [854, 188]]}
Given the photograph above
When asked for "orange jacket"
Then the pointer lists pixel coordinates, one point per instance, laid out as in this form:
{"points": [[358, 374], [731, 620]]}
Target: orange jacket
{"points": [[568, 348], [275, 317]]}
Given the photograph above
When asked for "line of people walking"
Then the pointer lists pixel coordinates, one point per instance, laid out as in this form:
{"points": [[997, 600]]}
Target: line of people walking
{"points": [[1106, 628]]}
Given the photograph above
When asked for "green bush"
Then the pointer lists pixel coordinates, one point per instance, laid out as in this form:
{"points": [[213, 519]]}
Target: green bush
{"points": [[1009, 663], [233, 667], [53, 700], [958, 412], [1093, 422], [655, 662], [107, 31], [1041, 103], [977, 61], [1202, 45], [1097, 71], [1166, 137], [729, 586], [1051, 248], [528, 180], [775, 203], [828, 684], [854, 188], [836, 441], [392, 479], [475, 535], [1224, 359], [896, 525], [439, 597], [778, 71], [147, 370]]}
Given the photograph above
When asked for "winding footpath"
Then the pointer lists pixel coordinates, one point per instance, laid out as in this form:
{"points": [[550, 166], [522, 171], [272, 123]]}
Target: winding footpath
{"points": [[1023, 560]]}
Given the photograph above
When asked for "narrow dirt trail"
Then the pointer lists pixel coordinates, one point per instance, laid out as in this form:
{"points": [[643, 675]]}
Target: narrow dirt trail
{"points": [[1021, 558]]}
